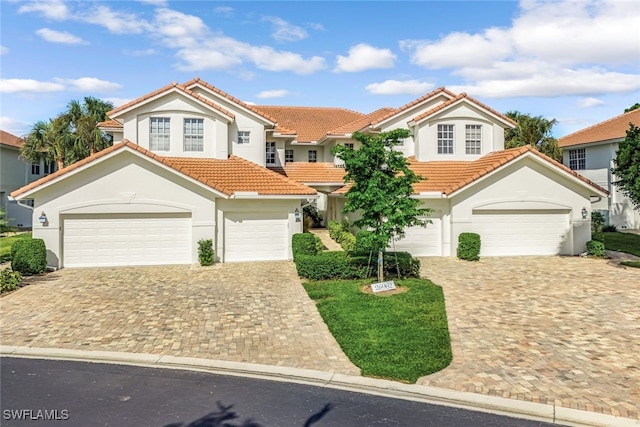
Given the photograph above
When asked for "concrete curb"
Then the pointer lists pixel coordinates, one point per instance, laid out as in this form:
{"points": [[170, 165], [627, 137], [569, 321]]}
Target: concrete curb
{"points": [[385, 388]]}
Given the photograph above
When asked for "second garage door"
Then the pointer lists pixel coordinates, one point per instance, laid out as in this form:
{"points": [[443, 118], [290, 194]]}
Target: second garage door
{"points": [[255, 236], [507, 233], [118, 240]]}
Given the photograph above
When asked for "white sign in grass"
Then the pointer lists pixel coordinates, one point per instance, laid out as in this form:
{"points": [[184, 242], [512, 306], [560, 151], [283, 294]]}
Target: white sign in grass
{"points": [[383, 286]]}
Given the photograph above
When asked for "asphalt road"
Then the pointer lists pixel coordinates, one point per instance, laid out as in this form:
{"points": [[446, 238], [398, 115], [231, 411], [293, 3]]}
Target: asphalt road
{"points": [[63, 393]]}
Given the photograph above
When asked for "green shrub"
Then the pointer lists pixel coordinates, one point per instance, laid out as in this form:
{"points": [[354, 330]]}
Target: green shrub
{"points": [[16, 245], [30, 257], [595, 248], [205, 251], [311, 211], [409, 266], [469, 246], [306, 244], [609, 228], [364, 242], [597, 221], [347, 240], [9, 280], [329, 265], [334, 227]]}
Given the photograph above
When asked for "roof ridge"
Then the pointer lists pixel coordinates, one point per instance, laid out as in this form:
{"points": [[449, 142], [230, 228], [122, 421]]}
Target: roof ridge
{"points": [[257, 166], [618, 117], [416, 101]]}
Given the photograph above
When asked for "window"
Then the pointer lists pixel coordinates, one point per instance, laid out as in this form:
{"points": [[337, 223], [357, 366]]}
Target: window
{"points": [[577, 159], [350, 145], [445, 139], [243, 137], [473, 139], [271, 153], [193, 134], [49, 167], [288, 156], [35, 168], [313, 156], [159, 134]]}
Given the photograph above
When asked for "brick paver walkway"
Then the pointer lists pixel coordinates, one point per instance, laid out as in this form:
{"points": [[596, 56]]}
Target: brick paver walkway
{"points": [[326, 239], [558, 330], [246, 312]]}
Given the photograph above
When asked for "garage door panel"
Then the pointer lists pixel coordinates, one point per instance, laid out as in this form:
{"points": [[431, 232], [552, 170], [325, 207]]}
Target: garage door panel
{"points": [[254, 236], [422, 241], [122, 240], [504, 233]]}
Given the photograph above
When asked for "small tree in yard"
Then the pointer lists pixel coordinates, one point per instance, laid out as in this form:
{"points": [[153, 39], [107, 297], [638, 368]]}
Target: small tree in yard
{"points": [[381, 188], [627, 168]]}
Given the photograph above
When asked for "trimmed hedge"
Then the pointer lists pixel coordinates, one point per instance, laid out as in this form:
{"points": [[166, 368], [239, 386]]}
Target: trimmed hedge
{"points": [[305, 244], [9, 280], [14, 248], [30, 257], [364, 242], [409, 266], [469, 246], [329, 265], [595, 248], [205, 252]]}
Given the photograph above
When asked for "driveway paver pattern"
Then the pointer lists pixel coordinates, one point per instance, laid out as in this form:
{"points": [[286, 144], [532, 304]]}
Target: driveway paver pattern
{"points": [[246, 312], [556, 330]]}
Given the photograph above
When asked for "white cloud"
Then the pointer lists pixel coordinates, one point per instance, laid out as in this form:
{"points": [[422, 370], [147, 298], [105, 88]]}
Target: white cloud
{"points": [[143, 52], [396, 87], [284, 31], [277, 93], [51, 9], [550, 49], [59, 37], [590, 102], [365, 57], [13, 126], [179, 29], [28, 85], [114, 21], [158, 3], [90, 84], [3, 50], [223, 10], [117, 101]]}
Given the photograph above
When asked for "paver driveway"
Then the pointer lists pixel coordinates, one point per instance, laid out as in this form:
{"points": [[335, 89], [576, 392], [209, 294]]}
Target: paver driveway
{"points": [[246, 312], [558, 330]]}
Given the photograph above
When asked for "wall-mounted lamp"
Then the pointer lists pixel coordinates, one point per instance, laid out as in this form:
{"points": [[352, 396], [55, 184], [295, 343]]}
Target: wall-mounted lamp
{"points": [[296, 213], [585, 213], [42, 218]]}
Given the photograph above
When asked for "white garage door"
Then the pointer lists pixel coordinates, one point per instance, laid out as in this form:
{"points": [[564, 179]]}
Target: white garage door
{"points": [[421, 241], [118, 240], [506, 233], [255, 236]]}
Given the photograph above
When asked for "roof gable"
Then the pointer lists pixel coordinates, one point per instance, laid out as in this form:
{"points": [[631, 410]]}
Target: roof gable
{"points": [[614, 128], [464, 98], [10, 140], [415, 104]]}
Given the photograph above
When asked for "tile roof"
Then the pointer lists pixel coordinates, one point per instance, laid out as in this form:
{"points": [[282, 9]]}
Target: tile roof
{"points": [[362, 122], [446, 177], [310, 123], [320, 172], [458, 98], [10, 140], [110, 124], [416, 102], [224, 175], [168, 88], [609, 129]]}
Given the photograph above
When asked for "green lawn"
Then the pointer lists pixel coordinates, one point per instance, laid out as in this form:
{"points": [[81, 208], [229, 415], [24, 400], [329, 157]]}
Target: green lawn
{"points": [[400, 337], [635, 264], [7, 242], [621, 242]]}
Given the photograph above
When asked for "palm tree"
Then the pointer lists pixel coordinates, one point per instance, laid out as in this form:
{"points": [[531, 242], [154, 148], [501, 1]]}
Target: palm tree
{"points": [[534, 131], [84, 119], [50, 141]]}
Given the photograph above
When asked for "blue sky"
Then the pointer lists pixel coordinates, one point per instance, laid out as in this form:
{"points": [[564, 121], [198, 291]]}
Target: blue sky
{"points": [[575, 61]]}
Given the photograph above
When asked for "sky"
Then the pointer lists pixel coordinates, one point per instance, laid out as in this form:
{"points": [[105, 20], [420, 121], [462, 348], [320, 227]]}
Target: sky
{"points": [[575, 61]]}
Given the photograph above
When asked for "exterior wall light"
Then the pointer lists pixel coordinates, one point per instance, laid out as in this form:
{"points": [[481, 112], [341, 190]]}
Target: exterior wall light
{"points": [[296, 213], [42, 218], [585, 213]]}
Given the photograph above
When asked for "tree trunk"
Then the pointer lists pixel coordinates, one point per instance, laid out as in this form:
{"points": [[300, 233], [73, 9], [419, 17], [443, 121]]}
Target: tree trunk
{"points": [[380, 266]]}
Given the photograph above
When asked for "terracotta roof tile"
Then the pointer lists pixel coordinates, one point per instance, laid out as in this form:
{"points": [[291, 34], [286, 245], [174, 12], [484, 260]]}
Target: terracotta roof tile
{"points": [[225, 175], [312, 172], [416, 102], [10, 140], [609, 129], [110, 124], [457, 99], [447, 177], [362, 122], [310, 123]]}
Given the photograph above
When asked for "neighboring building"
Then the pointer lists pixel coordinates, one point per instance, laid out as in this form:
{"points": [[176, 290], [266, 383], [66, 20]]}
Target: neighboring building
{"points": [[592, 152], [192, 162], [15, 173]]}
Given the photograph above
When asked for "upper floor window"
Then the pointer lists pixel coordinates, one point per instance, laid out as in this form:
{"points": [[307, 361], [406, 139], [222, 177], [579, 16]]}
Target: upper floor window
{"points": [[445, 139], [271, 153], [288, 156], [35, 168], [193, 134], [473, 139], [313, 156], [577, 159], [49, 167], [349, 145], [159, 134], [243, 137]]}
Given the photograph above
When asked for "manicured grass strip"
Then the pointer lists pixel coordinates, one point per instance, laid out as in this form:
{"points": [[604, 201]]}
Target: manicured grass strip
{"points": [[621, 242], [401, 337], [635, 264], [7, 242]]}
